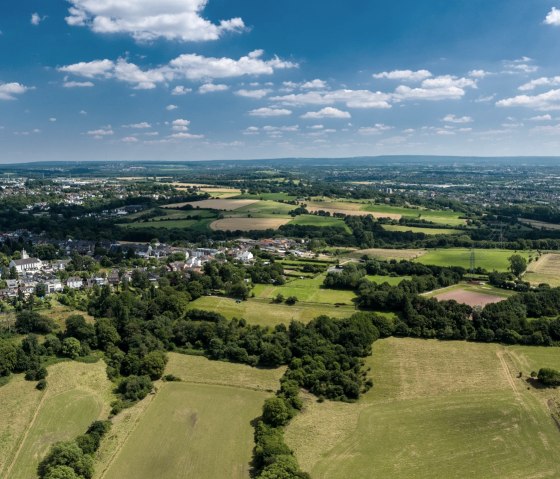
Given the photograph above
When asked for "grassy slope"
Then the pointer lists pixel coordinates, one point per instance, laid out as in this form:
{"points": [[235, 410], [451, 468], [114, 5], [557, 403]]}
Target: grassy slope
{"points": [[314, 220], [202, 426], [443, 217], [475, 288], [76, 395], [426, 231], [448, 410], [489, 259]]}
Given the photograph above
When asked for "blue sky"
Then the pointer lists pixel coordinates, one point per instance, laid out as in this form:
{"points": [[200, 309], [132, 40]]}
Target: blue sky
{"points": [[217, 79]]}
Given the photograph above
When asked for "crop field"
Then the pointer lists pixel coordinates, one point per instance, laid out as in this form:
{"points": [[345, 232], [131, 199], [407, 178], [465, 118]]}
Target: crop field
{"points": [[32, 421], [347, 208], [388, 254], [202, 426], [267, 196], [489, 259], [307, 290], [443, 217], [452, 410], [314, 220], [426, 231], [545, 270], [541, 225], [473, 295], [248, 224], [214, 204], [264, 209], [263, 312]]}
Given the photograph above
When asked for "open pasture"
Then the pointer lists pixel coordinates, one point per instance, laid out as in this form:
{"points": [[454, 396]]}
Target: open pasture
{"points": [[264, 209], [473, 295], [201, 426], [489, 259], [389, 254], [453, 410], [322, 221], [426, 231], [264, 313], [32, 421], [545, 270], [214, 204], [443, 217], [248, 224]]}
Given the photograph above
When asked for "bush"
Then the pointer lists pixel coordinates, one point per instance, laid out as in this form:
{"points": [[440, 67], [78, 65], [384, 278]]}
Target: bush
{"points": [[135, 388], [66, 454], [549, 377], [276, 412], [42, 384]]}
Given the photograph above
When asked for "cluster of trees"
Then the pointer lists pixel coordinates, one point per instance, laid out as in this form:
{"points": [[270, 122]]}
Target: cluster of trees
{"points": [[549, 377], [74, 459]]}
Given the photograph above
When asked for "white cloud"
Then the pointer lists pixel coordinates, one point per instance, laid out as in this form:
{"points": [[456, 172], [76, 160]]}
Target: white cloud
{"points": [[270, 112], [198, 67], [83, 112], [138, 126], [189, 66], [351, 98], [553, 17], [129, 139], [211, 88], [257, 94], [543, 81], [445, 87], [147, 20], [8, 91], [36, 19], [52, 119], [101, 132], [546, 117], [521, 65], [547, 101], [180, 90], [456, 119], [77, 84], [478, 73], [484, 99], [327, 112], [180, 124], [251, 130], [171, 107], [185, 136], [376, 129], [314, 85], [404, 75]]}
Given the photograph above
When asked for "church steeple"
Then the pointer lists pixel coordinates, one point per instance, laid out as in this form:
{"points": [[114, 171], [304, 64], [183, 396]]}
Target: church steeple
{"points": [[24, 254]]}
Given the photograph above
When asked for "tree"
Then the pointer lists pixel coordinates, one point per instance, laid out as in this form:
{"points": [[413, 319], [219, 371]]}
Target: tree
{"points": [[8, 357], [276, 412], [153, 364], [76, 327], [67, 454], [106, 333], [549, 377], [62, 472], [41, 290], [135, 388], [517, 265], [71, 348], [291, 300]]}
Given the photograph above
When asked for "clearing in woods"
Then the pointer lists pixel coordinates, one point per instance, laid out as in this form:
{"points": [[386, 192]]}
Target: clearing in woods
{"points": [[388, 254], [202, 425], [76, 395], [471, 294], [545, 270], [248, 224], [452, 410]]}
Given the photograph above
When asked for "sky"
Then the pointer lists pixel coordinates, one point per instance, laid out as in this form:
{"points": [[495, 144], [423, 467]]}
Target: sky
{"points": [[116, 80]]}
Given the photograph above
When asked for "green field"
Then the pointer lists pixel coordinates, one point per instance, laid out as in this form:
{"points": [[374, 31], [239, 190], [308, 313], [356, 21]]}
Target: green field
{"points": [[443, 217], [267, 196], [426, 231], [263, 209], [196, 430], [315, 220], [387, 254], [77, 394], [201, 225], [307, 290], [265, 313], [475, 288], [392, 280], [446, 410], [489, 259]]}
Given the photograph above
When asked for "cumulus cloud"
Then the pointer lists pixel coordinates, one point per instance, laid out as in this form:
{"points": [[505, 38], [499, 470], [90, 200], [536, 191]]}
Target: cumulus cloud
{"points": [[543, 81], [257, 94], [521, 65], [456, 119], [546, 117], [547, 101], [146, 20], [101, 132], [404, 75], [36, 19], [77, 84], [270, 112], [327, 112], [211, 88], [9, 91], [171, 107], [180, 90], [553, 17], [445, 87], [180, 124], [351, 98], [314, 85], [376, 129], [129, 139], [185, 136], [189, 66], [138, 126], [478, 73]]}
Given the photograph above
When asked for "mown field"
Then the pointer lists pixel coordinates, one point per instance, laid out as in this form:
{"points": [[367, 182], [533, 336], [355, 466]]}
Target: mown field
{"points": [[545, 270], [426, 231], [32, 421], [489, 259], [387, 254], [442, 217], [200, 427], [265, 313], [471, 294], [446, 410], [392, 280]]}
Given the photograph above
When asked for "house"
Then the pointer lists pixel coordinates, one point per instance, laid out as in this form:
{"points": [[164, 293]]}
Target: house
{"points": [[194, 262], [113, 278], [74, 282], [26, 264], [54, 286], [176, 266], [245, 257]]}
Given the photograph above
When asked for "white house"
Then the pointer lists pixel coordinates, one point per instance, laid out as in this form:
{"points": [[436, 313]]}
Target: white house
{"points": [[26, 264], [245, 257], [74, 282]]}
